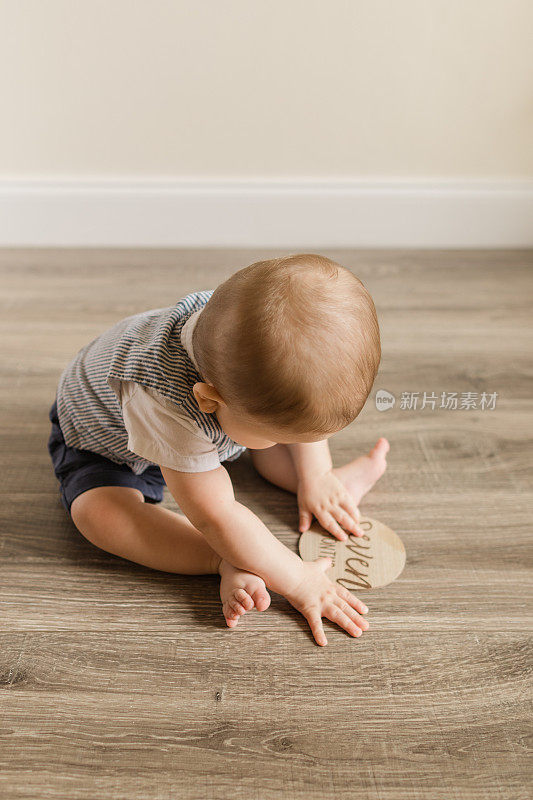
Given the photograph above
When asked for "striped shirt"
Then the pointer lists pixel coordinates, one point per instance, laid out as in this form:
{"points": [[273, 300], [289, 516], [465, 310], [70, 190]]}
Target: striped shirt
{"points": [[146, 348]]}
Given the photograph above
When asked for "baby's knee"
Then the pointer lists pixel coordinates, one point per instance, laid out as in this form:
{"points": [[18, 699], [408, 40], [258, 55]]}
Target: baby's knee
{"points": [[104, 513]]}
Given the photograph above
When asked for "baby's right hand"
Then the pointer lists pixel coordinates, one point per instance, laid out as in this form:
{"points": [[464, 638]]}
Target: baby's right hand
{"points": [[316, 596]]}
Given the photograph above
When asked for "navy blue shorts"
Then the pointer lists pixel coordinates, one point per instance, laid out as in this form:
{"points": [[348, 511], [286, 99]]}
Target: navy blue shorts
{"points": [[79, 470]]}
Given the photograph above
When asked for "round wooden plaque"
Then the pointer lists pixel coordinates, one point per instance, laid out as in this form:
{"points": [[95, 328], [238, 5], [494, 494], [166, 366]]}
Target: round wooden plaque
{"points": [[361, 562]]}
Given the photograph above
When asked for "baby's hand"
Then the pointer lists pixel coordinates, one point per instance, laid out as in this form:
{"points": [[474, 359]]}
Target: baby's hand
{"points": [[328, 499], [315, 596]]}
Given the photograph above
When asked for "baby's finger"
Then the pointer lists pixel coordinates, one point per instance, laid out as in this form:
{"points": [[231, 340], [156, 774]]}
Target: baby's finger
{"points": [[348, 503], [334, 613], [315, 623], [305, 520], [347, 522], [360, 621], [351, 599], [327, 522]]}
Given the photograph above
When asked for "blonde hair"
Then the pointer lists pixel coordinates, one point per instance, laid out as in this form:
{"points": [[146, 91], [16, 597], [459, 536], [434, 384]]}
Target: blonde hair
{"points": [[292, 342]]}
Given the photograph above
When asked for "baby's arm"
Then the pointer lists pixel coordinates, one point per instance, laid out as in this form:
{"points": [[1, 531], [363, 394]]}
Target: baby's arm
{"points": [[239, 536], [233, 531]]}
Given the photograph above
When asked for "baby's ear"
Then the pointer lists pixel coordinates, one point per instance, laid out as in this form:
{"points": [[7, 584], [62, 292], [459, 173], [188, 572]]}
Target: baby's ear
{"points": [[206, 397]]}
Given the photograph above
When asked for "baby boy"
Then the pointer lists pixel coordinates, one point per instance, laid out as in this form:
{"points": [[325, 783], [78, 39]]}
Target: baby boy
{"points": [[276, 359]]}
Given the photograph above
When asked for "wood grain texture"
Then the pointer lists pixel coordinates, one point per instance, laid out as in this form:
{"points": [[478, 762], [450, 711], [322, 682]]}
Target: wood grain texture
{"points": [[117, 681]]}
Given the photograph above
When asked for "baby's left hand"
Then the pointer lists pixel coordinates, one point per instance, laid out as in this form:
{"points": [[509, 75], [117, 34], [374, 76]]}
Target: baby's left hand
{"points": [[325, 497]]}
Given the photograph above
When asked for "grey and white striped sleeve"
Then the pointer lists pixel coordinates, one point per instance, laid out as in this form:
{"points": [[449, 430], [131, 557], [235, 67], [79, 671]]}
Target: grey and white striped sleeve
{"points": [[161, 433]]}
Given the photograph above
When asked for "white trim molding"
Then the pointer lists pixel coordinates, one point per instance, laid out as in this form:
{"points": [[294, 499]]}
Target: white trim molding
{"points": [[298, 214]]}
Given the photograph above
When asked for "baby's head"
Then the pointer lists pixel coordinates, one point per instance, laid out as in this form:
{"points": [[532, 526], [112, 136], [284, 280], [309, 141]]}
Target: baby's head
{"points": [[288, 349]]}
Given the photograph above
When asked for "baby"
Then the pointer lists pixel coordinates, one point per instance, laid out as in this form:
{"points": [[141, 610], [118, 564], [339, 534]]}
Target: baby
{"points": [[276, 359]]}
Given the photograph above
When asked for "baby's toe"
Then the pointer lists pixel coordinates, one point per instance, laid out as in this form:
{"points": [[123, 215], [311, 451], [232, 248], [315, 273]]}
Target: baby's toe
{"points": [[243, 597], [236, 608], [234, 601], [230, 615], [261, 598], [381, 448]]}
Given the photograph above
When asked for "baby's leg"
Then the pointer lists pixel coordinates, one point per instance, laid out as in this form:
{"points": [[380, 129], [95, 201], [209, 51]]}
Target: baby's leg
{"points": [[276, 465], [116, 519]]}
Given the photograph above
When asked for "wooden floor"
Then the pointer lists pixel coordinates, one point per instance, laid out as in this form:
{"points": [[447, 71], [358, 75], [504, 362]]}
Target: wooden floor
{"points": [[121, 682]]}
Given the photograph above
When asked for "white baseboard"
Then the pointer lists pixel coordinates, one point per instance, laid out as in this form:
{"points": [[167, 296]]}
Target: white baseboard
{"points": [[297, 214]]}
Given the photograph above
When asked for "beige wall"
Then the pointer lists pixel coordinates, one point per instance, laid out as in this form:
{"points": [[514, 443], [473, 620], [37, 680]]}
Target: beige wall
{"points": [[270, 88]]}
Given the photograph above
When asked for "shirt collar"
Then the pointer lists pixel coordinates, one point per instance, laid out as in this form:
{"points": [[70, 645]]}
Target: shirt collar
{"points": [[186, 336]]}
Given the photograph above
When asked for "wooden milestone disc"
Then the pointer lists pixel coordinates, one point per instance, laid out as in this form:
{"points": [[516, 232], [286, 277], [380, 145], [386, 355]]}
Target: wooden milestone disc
{"points": [[361, 562]]}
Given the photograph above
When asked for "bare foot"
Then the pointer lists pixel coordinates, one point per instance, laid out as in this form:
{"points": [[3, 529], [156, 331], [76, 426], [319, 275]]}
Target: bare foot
{"points": [[240, 591], [361, 474]]}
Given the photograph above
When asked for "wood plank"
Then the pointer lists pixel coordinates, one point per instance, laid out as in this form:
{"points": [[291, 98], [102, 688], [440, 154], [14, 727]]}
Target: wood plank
{"points": [[117, 681]]}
